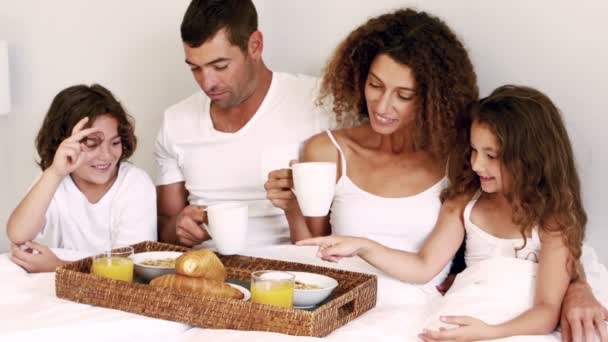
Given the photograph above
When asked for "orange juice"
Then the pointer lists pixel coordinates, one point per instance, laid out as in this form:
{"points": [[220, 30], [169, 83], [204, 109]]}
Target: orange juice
{"points": [[118, 268], [273, 293]]}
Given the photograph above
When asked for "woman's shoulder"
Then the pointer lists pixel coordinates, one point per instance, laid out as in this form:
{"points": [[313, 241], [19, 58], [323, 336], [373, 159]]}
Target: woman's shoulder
{"points": [[320, 147]]}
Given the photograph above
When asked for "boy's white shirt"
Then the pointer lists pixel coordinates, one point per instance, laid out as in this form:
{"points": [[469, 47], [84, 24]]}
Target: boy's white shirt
{"points": [[72, 222]]}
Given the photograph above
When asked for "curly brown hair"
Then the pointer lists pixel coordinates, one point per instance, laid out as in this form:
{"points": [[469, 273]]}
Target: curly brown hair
{"points": [[73, 104], [444, 76], [535, 151]]}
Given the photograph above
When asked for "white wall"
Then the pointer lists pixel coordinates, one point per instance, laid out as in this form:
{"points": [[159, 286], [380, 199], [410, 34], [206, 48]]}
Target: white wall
{"points": [[133, 47]]}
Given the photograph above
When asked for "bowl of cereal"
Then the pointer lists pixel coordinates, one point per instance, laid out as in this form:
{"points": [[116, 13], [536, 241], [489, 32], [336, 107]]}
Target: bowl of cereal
{"points": [[149, 265], [310, 289]]}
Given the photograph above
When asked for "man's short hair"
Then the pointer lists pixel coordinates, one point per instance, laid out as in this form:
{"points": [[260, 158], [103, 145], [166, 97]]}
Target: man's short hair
{"points": [[204, 18]]}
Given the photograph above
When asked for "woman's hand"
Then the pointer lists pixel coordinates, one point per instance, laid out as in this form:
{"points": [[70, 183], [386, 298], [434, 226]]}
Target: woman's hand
{"points": [[75, 150], [278, 189], [468, 329], [334, 248], [35, 258]]}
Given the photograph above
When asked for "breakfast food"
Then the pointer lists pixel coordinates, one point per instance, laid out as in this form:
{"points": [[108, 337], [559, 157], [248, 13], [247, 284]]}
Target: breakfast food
{"points": [[200, 271], [298, 285], [167, 262], [201, 263], [200, 285]]}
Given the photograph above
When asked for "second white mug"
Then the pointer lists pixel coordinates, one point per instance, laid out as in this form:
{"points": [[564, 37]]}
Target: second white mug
{"points": [[314, 185]]}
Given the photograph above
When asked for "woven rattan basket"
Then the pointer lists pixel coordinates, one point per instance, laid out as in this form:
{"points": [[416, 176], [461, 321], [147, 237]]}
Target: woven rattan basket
{"points": [[355, 294]]}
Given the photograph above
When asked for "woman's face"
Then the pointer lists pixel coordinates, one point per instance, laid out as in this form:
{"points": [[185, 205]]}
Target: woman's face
{"points": [[107, 149], [390, 95]]}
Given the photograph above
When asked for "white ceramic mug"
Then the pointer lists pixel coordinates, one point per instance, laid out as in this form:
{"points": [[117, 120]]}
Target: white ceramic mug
{"points": [[228, 226], [314, 185]]}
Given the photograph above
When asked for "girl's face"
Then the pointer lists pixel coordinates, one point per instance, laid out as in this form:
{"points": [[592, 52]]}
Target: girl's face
{"points": [[486, 159], [107, 149], [390, 95]]}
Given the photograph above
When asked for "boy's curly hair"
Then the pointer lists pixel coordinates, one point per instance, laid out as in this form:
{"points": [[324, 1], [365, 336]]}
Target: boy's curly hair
{"points": [[69, 107]]}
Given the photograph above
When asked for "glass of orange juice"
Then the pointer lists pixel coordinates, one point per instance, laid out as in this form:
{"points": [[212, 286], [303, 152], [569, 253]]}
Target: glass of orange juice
{"points": [[272, 287], [114, 264]]}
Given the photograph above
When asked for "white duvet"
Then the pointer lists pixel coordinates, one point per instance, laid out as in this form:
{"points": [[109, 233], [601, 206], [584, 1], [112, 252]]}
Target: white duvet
{"points": [[500, 289], [29, 310]]}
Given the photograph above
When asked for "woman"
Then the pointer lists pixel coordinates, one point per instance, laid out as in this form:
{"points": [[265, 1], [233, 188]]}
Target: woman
{"points": [[405, 80]]}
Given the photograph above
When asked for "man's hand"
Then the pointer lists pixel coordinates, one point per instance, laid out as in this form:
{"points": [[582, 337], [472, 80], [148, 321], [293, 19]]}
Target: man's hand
{"points": [[35, 258], [583, 317], [188, 225], [278, 189]]}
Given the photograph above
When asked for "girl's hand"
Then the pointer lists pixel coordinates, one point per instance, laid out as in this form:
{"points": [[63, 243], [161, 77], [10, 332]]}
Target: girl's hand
{"points": [[334, 248], [278, 189], [74, 150], [468, 329], [36, 258]]}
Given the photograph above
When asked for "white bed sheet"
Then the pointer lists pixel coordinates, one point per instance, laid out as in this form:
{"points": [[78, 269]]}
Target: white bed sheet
{"points": [[29, 310]]}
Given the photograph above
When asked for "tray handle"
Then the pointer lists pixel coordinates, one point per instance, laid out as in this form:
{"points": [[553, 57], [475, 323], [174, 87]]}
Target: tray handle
{"points": [[345, 312]]}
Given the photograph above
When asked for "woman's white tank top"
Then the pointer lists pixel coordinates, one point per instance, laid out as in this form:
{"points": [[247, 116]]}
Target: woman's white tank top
{"points": [[402, 223]]}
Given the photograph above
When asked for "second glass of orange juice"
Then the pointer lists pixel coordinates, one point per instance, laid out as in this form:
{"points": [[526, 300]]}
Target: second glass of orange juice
{"points": [[115, 264], [272, 287]]}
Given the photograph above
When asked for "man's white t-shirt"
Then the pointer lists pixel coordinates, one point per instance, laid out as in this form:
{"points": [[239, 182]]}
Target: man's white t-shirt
{"points": [[129, 206], [222, 167]]}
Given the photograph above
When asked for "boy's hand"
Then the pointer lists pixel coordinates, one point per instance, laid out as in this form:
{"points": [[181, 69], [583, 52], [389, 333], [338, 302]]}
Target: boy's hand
{"points": [[76, 150], [35, 258]]}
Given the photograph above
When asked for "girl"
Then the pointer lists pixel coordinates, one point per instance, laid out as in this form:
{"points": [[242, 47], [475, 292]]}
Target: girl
{"points": [[88, 196], [515, 194]]}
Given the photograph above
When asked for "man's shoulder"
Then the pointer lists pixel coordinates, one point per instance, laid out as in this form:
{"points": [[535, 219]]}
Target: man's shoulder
{"points": [[192, 105], [295, 80]]}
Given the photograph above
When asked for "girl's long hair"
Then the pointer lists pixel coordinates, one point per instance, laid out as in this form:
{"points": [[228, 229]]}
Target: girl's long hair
{"points": [[536, 153]]}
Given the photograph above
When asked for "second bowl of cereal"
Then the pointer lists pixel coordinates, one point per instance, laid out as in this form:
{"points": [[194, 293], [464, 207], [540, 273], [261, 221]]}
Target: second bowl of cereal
{"points": [[311, 289], [149, 265]]}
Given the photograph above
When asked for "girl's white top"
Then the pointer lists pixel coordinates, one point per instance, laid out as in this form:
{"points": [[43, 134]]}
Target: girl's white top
{"points": [[481, 245]]}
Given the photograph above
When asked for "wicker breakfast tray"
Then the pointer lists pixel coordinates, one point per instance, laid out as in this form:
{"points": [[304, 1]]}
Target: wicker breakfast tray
{"points": [[355, 294]]}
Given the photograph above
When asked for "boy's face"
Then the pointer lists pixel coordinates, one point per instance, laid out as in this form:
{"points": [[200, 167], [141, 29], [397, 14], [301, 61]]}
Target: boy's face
{"points": [[486, 159], [106, 145], [222, 70]]}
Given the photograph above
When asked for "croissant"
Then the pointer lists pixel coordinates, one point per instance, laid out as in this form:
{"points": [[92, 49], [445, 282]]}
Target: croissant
{"points": [[201, 263], [199, 285]]}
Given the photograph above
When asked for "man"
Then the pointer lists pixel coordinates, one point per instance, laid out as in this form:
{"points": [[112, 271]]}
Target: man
{"points": [[219, 144]]}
